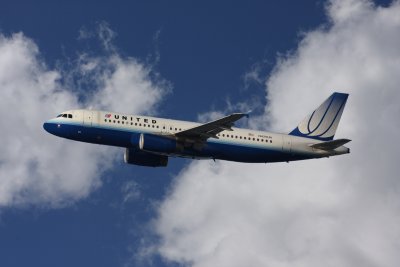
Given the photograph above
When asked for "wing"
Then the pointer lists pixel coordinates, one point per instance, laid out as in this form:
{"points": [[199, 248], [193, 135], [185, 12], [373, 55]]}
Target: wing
{"points": [[211, 129], [330, 145]]}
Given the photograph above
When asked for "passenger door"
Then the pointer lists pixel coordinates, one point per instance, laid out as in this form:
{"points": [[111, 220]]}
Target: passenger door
{"points": [[87, 118], [286, 143]]}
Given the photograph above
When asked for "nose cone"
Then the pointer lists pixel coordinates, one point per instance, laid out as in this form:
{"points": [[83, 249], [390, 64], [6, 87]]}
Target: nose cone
{"points": [[51, 127], [46, 126]]}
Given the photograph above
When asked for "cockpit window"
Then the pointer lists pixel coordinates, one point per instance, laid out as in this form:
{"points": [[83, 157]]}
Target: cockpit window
{"points": [[64, 115]]}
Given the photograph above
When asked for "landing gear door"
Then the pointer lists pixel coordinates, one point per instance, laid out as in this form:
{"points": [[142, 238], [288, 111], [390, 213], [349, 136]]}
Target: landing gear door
{"points": [[286, 143], [87, 117]]}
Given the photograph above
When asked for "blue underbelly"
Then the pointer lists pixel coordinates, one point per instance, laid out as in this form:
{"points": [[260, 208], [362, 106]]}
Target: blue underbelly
{"points": [[243, 153], [96, 135], [213, 149]]}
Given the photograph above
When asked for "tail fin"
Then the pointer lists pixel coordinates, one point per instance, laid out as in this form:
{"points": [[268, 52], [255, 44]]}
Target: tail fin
{"points": [[322, 123]]}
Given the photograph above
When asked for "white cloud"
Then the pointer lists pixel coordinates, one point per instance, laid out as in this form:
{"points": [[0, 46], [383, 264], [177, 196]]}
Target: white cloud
{"points": [[254, 76], [341, 211], [243, 107], [106, 35], [37, 168], [129, 87], [130, 191]]}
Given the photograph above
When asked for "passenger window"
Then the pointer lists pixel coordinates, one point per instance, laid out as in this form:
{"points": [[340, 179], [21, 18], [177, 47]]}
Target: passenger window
{"points": [[270, 141], [105, 120]]}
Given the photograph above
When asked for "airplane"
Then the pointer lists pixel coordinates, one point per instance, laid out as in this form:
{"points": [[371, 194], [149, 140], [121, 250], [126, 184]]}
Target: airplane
{"points": [[150, 141]]}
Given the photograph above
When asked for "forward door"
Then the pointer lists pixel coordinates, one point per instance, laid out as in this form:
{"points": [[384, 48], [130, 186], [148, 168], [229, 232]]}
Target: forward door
{"points": [[87, 118]]}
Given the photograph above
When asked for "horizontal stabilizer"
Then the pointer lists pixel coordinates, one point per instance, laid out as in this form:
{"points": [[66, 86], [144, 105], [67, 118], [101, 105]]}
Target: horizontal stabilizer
{"points": [[330, 145]]}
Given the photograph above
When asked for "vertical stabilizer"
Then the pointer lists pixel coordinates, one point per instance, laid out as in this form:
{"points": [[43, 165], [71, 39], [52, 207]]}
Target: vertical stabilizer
{"points": [[322, 123]]}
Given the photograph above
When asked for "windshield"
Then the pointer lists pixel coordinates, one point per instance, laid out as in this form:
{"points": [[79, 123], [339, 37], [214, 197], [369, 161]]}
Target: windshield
{"points": [[69, 116]]}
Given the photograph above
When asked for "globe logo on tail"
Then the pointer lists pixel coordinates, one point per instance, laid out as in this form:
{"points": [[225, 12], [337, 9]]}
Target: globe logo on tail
{"points": [[322, 123]]}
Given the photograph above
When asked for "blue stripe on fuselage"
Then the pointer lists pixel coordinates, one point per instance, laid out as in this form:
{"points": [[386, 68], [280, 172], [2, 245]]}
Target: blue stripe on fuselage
{"points": [[122, 137]]}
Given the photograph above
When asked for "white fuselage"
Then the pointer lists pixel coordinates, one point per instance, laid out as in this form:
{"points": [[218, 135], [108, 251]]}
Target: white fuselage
{"points": [[244, 145]]}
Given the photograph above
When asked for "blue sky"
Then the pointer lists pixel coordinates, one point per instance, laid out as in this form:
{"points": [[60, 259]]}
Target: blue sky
{"points": [[204, 47], [203, 56]]}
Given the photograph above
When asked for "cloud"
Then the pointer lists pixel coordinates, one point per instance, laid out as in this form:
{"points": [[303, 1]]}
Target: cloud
{"points": [[246, 107], [129, 88], [341, 211], [254, 76], [37, 168], [130, 191]]}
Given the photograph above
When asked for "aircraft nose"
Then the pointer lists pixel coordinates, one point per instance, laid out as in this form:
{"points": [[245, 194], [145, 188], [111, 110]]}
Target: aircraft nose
{"points": [[46, 126], [50, 127]]}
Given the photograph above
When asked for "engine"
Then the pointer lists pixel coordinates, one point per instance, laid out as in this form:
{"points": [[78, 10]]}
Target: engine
{"points": [[142, 158], [159, 144]]}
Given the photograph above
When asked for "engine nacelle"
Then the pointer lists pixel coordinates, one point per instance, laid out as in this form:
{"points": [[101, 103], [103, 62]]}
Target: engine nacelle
{"points": [[142, 158], [159, 144]]}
